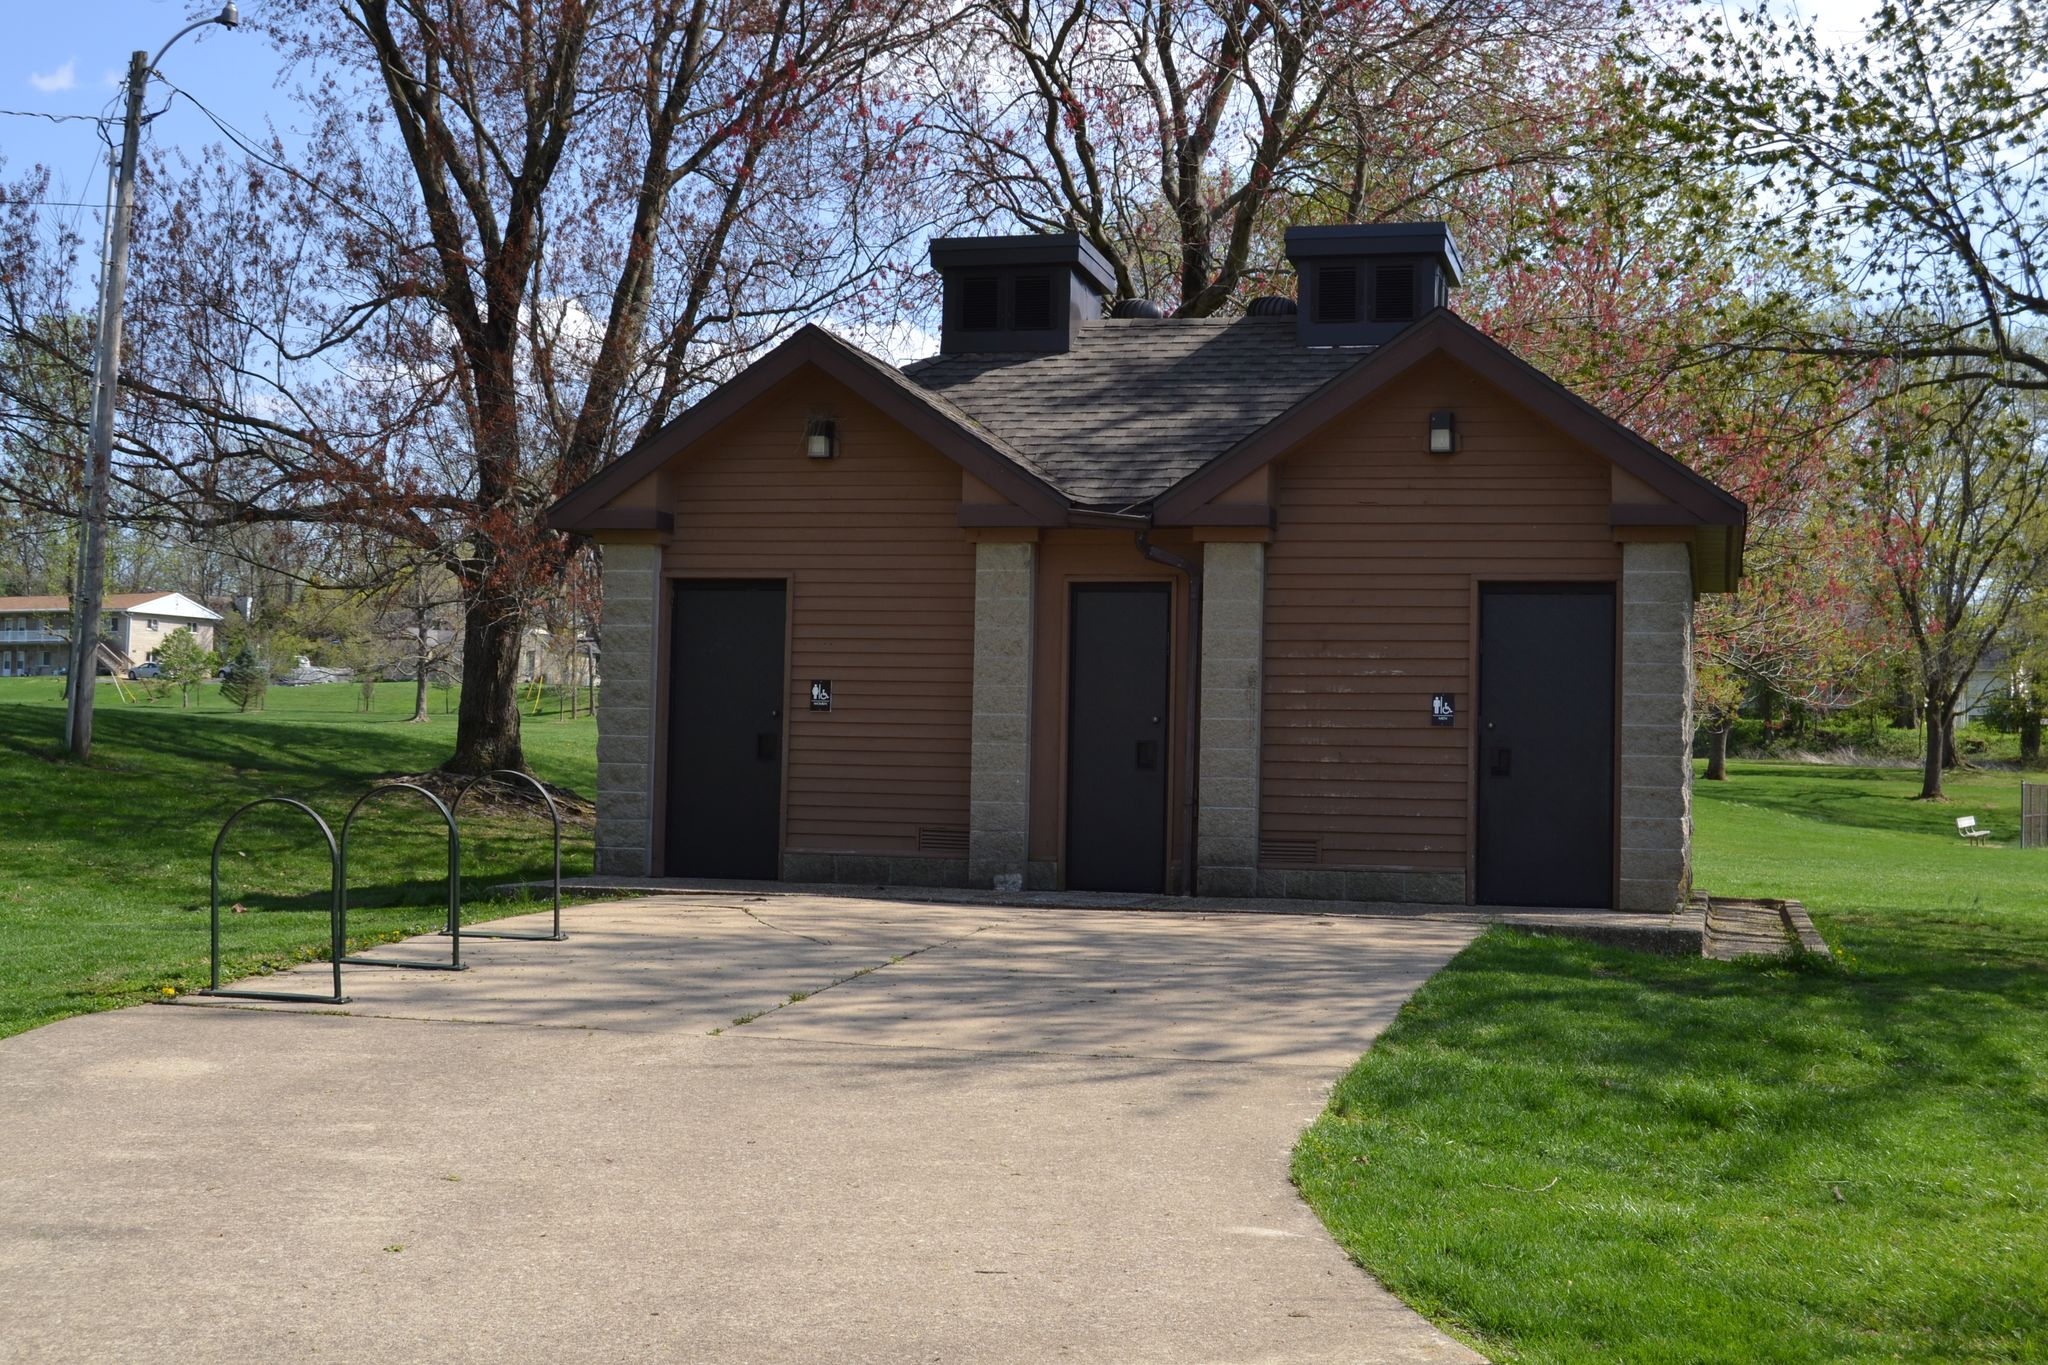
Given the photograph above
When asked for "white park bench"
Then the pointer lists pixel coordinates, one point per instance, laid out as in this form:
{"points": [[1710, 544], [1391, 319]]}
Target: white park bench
{"points": [[1966, 825]]}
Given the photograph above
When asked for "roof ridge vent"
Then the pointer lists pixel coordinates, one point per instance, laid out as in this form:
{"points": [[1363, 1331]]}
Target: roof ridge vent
{"points": [[1362, 283], [1271, 306], [1139, 308], [1018, 294]]}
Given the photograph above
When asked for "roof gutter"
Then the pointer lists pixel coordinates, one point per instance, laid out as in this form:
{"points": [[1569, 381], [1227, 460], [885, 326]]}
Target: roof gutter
{"points": [[1114, 521]]}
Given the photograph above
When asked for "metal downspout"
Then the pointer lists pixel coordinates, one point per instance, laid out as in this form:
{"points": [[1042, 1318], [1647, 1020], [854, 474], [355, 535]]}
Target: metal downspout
{"points": [[1190, 744]]}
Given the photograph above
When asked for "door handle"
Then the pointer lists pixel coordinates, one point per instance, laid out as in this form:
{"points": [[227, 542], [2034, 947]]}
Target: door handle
{"points": [[1501, 762], [1148, 755]]}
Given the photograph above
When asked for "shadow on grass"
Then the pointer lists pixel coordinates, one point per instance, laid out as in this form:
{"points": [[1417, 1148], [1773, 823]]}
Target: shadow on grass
{"points": [[1866, 798]]}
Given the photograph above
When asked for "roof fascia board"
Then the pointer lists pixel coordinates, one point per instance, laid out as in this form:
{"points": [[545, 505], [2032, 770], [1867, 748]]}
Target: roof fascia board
{"points": [[1445, 332], [812, 346]]}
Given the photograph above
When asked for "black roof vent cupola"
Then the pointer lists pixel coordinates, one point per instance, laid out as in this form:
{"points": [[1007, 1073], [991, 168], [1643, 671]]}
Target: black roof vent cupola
{"points": [[1018, 294], [1361, 285]]}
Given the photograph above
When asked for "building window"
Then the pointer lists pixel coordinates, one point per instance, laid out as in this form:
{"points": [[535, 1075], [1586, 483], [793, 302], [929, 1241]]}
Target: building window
{"points": [[151, 623]]}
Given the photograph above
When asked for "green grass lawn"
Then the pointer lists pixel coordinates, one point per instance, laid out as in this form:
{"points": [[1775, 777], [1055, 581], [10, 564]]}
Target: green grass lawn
{"points": [[1568, 1153], [103, 867]]}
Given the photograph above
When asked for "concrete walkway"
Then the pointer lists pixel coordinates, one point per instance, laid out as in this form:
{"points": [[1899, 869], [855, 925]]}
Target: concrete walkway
{"points": [[981, 1134]]}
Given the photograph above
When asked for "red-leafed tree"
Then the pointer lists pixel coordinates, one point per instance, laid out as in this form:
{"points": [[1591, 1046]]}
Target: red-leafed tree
{"points": [[1629, 290], [502, 243]]}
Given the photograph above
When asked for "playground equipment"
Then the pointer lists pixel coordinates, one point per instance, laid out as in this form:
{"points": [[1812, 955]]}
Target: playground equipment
{"points": [[337, 852], [334, 908]]}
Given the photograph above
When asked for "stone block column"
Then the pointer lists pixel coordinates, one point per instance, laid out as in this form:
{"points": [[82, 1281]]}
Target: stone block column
{"points": [[999, 788], [1233, 696], [625, 711], [1656, 725]]}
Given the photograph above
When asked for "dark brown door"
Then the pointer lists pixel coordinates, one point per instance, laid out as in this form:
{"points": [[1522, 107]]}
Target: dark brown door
{"points": [[725, 729], [1546, 744], [1118, 680]]}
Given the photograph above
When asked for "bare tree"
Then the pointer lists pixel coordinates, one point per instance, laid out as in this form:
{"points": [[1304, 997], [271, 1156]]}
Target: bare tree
{"points": [[513, 239], [1178, 136]]}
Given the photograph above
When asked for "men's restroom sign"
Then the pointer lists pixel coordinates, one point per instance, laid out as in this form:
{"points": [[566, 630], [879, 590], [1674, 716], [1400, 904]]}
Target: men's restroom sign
{"points": [[821, 694], [1443, 708]]}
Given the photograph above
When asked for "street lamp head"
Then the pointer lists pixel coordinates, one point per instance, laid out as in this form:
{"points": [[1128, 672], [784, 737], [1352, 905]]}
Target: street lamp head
{"points": [[230, 17]]}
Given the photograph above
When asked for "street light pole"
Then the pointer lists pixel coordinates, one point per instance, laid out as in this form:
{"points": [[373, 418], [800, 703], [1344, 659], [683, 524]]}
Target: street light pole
{"points": [[85, 626]]}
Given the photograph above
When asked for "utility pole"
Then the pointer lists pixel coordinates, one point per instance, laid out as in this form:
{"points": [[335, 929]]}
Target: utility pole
{"points": [[99, 323], [85, 638]]}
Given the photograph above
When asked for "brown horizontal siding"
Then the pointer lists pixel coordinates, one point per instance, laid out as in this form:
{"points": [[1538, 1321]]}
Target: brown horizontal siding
{"points": [[1369, 600], [881, 599]]}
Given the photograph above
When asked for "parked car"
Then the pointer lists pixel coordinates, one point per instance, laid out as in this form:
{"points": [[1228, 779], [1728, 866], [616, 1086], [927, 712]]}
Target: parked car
{"points": [[142, 671]]}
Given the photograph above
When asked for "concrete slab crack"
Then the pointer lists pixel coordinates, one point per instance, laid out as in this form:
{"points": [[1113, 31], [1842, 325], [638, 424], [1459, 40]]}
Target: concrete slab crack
{"points": [[765, 922], [798, 997]]}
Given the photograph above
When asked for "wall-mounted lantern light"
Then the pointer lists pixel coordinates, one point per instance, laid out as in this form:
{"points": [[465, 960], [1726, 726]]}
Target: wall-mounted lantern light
{"points": [[1443, 433], [821, 442]]}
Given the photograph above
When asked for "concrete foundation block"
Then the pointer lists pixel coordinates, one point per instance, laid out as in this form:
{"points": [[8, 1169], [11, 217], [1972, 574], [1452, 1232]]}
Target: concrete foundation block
{"points": [[1375, 886], [1216, 880], [808, 867], [1435, 888]]}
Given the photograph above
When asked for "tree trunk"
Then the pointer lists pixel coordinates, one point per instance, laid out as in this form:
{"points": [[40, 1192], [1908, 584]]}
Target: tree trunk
{"points": [[1930, 767], [487, 721], [419, 696], [2030, 736], [1948, 742], [1905, 715], [1717, 753]]}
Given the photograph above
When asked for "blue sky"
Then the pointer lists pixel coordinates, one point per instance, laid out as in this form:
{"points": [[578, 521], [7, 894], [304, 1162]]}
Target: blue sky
{"points": [[68, 57]]}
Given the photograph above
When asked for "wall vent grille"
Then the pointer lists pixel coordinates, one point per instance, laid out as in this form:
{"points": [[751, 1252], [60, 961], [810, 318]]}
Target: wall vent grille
{"points": [[1031, 305], [1393, 293], [1289, 853], [942, 838], [1337, 294], [980, 305]]}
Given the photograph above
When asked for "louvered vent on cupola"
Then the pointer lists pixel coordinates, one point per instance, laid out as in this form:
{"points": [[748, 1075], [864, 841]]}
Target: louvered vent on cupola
{"points": [[1018, 293], [1360, 285]]}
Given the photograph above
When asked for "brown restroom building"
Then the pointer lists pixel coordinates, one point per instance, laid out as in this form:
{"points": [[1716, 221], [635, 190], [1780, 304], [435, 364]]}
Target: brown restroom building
{"points": [[1336, 600]]}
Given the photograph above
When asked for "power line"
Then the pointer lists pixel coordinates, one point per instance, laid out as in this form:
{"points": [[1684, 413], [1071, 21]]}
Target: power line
{"points": [[56, 118]]}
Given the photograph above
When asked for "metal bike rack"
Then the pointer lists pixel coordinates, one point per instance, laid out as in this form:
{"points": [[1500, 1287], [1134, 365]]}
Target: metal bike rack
{"points": [[555, 815], [454, 962], [335, 913]]}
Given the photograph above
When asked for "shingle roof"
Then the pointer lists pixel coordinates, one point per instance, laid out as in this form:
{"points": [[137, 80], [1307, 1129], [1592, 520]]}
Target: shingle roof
{"points": [[120, 601], [935, 397], [1135, 404]]}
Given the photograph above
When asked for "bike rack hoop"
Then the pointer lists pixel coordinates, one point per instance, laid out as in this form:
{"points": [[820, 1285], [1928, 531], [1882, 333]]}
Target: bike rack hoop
{"points": [[454, 962], [336, 931], [554, 815]]}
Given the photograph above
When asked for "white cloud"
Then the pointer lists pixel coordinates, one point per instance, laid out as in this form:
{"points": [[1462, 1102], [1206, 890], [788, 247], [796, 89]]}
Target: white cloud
{"points": [[50, 82]]}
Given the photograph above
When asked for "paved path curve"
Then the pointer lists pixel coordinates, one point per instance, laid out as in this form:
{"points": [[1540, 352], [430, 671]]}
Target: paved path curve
{"points": [[1020, 1135]]}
